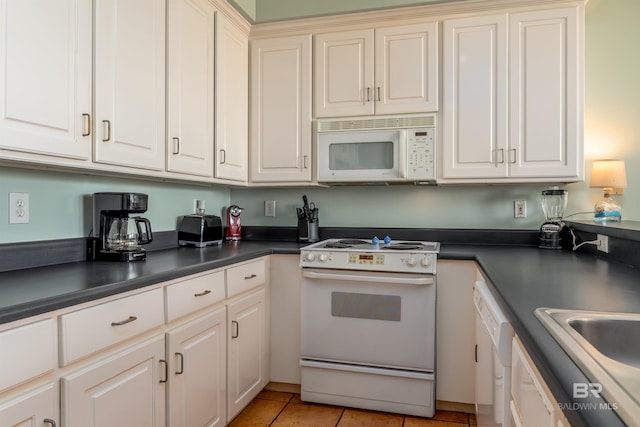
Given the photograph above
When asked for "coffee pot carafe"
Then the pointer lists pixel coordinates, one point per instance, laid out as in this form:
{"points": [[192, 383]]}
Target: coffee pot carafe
{"points": [[127, 234]]}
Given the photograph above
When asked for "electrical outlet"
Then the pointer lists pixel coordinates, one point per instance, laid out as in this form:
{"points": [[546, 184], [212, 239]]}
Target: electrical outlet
{"points": [[603, 243], [269, 208], [18, 208], [520, 209]]}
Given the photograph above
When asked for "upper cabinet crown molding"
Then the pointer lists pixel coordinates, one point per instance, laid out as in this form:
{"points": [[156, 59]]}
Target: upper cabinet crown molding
{"points": [[398, 16]]}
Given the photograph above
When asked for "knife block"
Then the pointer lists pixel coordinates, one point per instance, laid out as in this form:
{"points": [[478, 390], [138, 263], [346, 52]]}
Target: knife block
{"points": [[307, 231]]}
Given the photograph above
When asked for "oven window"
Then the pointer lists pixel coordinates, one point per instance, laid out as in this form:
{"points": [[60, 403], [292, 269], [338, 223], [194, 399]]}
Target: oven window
{"points": [[361, 155], [366, 306]]}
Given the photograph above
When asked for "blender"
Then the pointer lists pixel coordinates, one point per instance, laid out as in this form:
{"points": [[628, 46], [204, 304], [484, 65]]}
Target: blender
{"points": [[554, 203]]}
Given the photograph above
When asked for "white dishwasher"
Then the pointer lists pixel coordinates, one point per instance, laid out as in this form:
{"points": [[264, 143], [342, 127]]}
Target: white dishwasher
{"points": [[493, 360]]}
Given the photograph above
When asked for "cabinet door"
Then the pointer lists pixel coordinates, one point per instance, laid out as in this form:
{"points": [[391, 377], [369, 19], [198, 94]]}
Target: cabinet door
{"points": [[281, 109], [38, 407], [45, 77], [475, 97], [344, 79], [232, 101], [406, 69], [545, 122], [247, 350], [125, 389], [190, 87], [130, 83], [197, 354]]}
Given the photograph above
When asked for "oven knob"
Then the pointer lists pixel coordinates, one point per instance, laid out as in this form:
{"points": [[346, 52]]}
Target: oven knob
{"points": [[426, 262], [411, 262], [310, 257], [323, 258]]}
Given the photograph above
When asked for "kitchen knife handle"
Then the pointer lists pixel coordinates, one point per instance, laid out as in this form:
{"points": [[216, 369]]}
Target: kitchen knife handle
{"points": [[125, 321], [176, 145], [49, 421], [87, 124], [203, 293], [107, 130]]}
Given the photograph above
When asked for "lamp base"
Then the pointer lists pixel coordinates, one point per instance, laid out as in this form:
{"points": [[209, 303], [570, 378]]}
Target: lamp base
{"points": [[607, 211]]}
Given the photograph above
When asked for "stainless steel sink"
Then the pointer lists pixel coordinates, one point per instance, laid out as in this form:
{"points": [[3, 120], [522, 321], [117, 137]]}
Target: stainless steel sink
{"points": [[606, 347]]}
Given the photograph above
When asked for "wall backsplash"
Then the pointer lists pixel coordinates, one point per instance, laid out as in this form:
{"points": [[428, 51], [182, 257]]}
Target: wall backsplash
{"points": [[58, 202]]}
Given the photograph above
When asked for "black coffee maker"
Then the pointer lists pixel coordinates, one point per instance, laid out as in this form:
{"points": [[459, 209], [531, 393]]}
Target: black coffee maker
{"points": [[119, 236]]}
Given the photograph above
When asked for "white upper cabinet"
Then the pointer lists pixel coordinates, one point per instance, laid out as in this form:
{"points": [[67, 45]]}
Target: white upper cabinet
{"points": [[513, 95], [383, 71], [281, 109], [45, 77], [190, 86], [546, 93], [474, 124], [130, 83], [232, 101]]}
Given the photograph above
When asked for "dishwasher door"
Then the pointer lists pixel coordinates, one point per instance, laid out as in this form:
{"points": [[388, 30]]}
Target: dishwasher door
{"points": [[493, 361]]}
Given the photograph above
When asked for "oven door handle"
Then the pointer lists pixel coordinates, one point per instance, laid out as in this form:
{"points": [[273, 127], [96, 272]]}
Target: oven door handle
{"points": [[393, 279]]}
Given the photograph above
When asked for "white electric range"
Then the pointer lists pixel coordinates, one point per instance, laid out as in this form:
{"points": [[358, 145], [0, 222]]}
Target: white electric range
{"points": [[368, 324]]}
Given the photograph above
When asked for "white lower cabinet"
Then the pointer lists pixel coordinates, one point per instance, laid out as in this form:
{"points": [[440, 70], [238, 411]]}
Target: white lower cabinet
{"points": [[37, 407], [196, 357], [248, 350], [532, 404], [124, 389]]}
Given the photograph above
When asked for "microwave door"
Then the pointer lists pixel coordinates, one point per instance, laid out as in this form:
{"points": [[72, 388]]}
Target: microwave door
{"points": [[359, 156]]}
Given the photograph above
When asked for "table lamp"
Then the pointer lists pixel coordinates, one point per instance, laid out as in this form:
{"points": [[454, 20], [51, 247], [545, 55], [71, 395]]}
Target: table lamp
{"points": [[609, 175]]}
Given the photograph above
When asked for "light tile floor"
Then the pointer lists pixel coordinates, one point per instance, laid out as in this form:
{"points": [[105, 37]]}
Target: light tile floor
{"points": [[278, 409]]}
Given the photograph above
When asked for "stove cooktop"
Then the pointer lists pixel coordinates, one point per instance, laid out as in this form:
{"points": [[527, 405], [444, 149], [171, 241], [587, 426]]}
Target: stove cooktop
{"points": [[371, 245]]}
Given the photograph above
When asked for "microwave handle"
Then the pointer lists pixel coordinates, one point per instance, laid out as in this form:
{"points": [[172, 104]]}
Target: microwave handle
{"points": [[403, 143]]}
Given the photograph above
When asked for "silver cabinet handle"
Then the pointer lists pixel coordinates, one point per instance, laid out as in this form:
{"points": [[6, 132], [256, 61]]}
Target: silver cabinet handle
{"points": [[499, 156], [166, 371], [125, 321], [378, 90], [203, 293], [237, 334], [253, 276], [223, 156], [107, 130], [181, 371], [87, 124], [512, 151], [176, 145], [49, 420], [368, 94], [305, 163]]}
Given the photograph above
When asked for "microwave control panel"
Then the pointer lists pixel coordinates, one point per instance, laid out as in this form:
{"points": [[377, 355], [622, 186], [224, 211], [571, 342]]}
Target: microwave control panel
{"points": [[421, 154]]}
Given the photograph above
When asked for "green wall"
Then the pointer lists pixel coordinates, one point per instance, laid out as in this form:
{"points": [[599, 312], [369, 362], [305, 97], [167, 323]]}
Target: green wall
{"points": [[58, 202], [612, 112]]}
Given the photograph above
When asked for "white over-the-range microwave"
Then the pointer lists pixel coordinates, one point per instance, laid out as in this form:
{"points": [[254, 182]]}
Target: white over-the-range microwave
{"points": [[391, 149]]}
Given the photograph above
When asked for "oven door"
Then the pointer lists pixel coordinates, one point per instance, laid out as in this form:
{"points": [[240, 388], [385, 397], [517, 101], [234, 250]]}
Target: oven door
{"points": [[361, 156], [369, 318]]}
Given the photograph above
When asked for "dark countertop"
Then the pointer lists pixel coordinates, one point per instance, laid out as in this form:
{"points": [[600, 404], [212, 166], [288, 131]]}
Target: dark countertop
{"points": [[523, 278]]}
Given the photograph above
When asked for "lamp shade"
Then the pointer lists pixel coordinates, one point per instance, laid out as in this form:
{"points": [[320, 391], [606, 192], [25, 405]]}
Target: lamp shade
{"points": [[608, 174]]}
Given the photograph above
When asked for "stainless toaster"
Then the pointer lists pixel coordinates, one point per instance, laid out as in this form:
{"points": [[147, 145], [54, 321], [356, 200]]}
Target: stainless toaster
{"points": [[200, 230]]}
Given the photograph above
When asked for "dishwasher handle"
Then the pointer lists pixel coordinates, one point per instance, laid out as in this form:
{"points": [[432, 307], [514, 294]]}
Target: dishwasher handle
{"points": [[397, 279]]}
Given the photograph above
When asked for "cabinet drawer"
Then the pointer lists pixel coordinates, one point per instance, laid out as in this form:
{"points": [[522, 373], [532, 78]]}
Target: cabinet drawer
{"points": [[244, 277], [89, 330], [26, 352], [193, 294]]}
